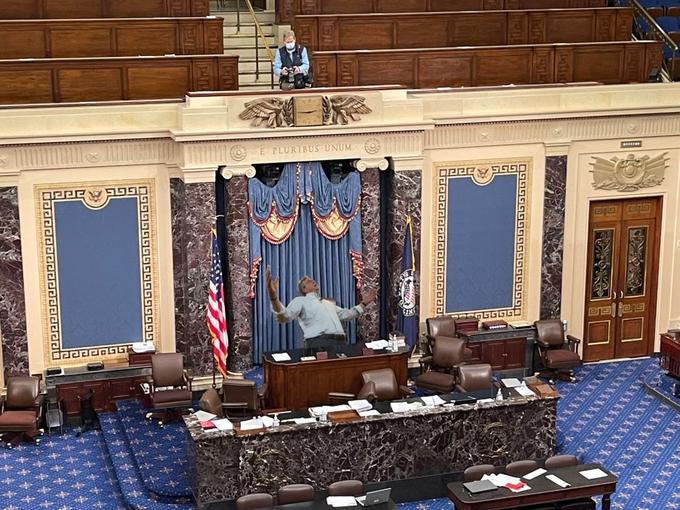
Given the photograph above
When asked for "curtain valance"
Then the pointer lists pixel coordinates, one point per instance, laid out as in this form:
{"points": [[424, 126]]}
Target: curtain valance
{"points": [[336, 210]]}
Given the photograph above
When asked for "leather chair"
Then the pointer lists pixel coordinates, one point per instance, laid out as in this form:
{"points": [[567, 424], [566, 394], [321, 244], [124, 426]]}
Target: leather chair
{"points": [[346, 488], [381, 384], [558, 461], [521, 467], [242, 395], [558, 354], [211, 403], [474, 473], [474, 377], [295, 493], [21, 410], [438, 372], [254, 501], [167, 371], [443, 325]]}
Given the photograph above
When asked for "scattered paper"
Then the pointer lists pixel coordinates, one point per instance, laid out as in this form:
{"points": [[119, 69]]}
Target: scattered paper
{"points": [[204, 416], [592, 474], [223, 424], [360, 405], [501, 479], [370, 412], [378, 344], [511, 383], [322, 410], [558, 481], [267, 421], [402, 407], [524, 391], [521, 488], [434, 400], [281, 356], [308, 358], [341, 501], [534, 474], [254, 424]]}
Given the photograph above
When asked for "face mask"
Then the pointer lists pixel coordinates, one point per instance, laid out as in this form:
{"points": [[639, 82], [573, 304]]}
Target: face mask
{"points": [[290, 45]]}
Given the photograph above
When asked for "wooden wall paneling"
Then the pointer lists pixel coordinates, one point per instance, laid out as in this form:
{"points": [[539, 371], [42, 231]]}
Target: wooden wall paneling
{"points": [[227, 72], [449, 71], [191, 38], [510, 65], [633, 68], [624, 25], [402, 5], [311, 7], [213, 30], [20, 9], [599, 63], [284, 11], [307, 32], [27, 43], [348, 71], [137, 9], [605, 25], [26, 86], [158, 79], [518, 28], [79, 83], [653, 57], [570, 25], [203, 77], [543, 65], [83, 9], [479, 28], [71, 9], [199, 8], [493, 5], [459, 5], [354, 35], [564, 64], [325, 70], [423, 32], [328, 33]]}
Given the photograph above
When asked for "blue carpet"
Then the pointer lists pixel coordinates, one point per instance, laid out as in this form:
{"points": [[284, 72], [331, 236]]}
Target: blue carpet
{"points": [[160, 452], [664, 383], [255, 374], [135, 493], [61, 473], [607, 417]]}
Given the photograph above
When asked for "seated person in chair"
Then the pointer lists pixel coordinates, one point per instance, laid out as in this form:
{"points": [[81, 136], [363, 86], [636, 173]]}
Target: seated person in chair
{"points": [[291, 63], [318, 318]]}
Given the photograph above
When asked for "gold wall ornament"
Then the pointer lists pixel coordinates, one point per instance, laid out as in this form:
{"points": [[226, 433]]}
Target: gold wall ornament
{"points": [[304, 111], [630, 173]]}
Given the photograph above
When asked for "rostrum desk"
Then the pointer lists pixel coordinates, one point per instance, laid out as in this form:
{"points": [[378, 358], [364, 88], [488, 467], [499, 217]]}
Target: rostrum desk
{"points": [[299, 384]]}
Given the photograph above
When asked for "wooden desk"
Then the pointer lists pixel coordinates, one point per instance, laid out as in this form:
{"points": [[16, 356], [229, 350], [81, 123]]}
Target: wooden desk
{"points": [[670, 355], [72, 9], [542, 491], [300, 384]]}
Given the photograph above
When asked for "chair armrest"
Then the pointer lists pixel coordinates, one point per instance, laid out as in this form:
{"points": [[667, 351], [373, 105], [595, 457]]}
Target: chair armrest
{"points": [[425, 363], [543, 344], [405, 391], [39, 401], [2, 403], [234, 405], [340, 397], [573, 342], [262, 392], [188, 378]]}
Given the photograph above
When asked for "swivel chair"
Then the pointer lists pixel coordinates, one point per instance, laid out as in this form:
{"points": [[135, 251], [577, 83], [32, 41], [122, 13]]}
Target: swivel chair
{"points": [[474, 377], [378, 384], [254, 501], [443, 325], [21, 410], [346, 488], [295, 493], [167, 371], [438, 372], [474, 473], [242, 395], [557, 353]]}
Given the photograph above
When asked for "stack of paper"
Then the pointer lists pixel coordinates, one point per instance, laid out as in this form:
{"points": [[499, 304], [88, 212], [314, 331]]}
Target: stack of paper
{"points": [[341, 501], [370, 412], [402, 407], [377, 344], [558, 481], [301, 421], [204, 416], [435, 400], [281, 356], [525, 391], [360, 405], [254, 424], [223, 424], [511, 383], [507, 481], [592, 474], [322, 410]]}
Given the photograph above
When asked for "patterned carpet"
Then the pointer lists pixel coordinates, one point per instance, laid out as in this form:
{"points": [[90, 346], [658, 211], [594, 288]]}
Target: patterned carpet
{"points": [[606, 417]]}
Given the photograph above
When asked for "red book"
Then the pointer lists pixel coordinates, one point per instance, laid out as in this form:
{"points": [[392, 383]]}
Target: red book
{"points": [[207, 425]]}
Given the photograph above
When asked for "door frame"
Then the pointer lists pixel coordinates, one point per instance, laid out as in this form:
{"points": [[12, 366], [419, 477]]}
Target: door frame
{"points": [[619, 251], [580, 193]]}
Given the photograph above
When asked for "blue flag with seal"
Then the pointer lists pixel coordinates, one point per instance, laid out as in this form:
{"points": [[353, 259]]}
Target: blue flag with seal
{"points": [[407, 313]]}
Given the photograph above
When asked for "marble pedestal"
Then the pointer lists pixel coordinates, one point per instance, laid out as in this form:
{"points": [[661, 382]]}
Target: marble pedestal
{"points": [[429, 441]]}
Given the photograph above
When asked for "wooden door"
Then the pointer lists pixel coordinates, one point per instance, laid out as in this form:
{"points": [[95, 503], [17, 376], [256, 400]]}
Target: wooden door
{"points": [[621, 278]]}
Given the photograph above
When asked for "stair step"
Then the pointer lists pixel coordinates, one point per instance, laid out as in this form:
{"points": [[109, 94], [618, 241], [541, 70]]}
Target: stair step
{"points": [[248, 66], [247, 30], [247, 41], [249, 53], [252, 79], [263, 17]]}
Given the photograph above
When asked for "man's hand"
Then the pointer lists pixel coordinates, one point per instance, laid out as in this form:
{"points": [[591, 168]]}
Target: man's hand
{"points": [[296, 70], [272, 284], [284, 71], [368, 297]]}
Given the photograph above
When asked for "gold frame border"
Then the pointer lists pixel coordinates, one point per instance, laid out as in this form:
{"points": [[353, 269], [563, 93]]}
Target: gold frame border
{"points": [[45, 196], [522, 167]]}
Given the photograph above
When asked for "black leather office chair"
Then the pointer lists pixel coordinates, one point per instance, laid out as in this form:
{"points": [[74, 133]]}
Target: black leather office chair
{"points": [[557, 352], [255, 501], [346, 488], [474, 473]]}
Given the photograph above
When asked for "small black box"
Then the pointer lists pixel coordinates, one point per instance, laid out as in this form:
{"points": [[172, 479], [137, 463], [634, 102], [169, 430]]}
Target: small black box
{"points": [[54, 371], [97, 365]]}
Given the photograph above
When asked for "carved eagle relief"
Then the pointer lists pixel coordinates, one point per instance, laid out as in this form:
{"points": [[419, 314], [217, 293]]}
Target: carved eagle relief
{"points": [[275, 112], [630, 173]]}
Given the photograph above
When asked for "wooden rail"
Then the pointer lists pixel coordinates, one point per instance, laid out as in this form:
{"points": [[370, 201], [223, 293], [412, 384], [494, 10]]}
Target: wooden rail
{"points": [[605, 62], [114, 78], [467, 28], [110, 37], [78, 9]]}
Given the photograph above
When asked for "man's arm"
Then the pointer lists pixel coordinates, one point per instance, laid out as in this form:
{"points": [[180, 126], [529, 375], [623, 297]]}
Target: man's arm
{"points": [[283, 314], [345, 314], [277, 63], [304, 68]]}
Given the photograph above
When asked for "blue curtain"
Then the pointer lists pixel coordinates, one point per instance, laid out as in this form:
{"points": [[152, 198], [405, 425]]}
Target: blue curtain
{"points": [[334, 261]]}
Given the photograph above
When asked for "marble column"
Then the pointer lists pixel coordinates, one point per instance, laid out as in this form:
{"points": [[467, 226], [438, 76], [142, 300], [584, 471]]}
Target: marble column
{"points": [[240, 310], [12, 305], [553, 235], [193, 210], [405, 196], [368, 326]]}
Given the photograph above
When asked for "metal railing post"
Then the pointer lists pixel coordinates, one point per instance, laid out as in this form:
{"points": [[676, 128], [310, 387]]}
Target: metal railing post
{"points": [[257, 58], [238, 16], [259, 33]]}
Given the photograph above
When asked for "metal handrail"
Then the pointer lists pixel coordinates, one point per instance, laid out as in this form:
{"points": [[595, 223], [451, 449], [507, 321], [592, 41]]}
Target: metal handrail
{"points": [[657, 31], [259, 33]]}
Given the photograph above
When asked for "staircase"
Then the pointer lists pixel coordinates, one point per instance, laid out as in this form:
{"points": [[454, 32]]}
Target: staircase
{"points": [[243, 43]]}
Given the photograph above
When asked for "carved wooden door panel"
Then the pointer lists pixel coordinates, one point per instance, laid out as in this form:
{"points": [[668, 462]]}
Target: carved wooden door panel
{"points": [[623, 246]]}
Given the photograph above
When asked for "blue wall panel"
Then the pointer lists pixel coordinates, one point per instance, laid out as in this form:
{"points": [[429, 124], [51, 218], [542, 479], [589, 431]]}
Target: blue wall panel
{"points": [[480, 245], [99, 273]]}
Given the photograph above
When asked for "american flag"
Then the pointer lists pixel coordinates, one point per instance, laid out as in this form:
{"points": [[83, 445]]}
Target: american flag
{"points": [[217, 321]]}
